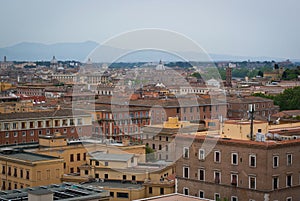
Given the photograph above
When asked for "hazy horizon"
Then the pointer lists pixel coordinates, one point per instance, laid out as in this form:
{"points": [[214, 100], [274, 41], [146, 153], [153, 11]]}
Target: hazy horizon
{"points": [[253, 28]]}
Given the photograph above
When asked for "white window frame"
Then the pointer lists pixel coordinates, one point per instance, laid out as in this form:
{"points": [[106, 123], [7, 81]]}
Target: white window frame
{"points": [[203, 174], [286, 180], [183, 174], [237, 158], [252, 155], [203, 194], [287, 159], [188, 191], [220, 176], [237, 178], [184, 151], [234, 197], [215, 152], [201, 156], [249, 178], [275, 165], [217, 194], [277, 183]]}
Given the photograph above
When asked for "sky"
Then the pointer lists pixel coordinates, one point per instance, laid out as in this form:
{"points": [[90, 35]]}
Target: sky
{"points": [[234, 27]]}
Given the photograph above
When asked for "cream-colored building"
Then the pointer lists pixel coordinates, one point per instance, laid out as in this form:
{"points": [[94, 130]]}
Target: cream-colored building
{"points": [[240, 129], [21, 169], [125, 178]]}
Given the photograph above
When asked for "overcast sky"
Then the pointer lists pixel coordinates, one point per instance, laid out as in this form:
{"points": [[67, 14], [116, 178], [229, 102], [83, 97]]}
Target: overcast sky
{"points": [[234, 27]]}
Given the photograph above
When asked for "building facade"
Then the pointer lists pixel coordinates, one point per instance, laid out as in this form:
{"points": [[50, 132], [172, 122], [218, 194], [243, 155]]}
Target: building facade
{"points": [[238, 169], [25, 127], [24, 169]]}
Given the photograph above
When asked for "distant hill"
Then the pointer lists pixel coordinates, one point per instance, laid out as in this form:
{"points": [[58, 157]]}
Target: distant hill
{"points": [[27, 51], [37, 51]]}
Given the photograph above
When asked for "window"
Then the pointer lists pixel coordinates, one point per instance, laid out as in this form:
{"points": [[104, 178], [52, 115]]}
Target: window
{"points": [[124, 177], [234, 198], [97, 163], [217, 157], [71, 157], [217, 196], [86, 172], [105, 176], [252, 182], [78, 157], [15, 134], [111, 194], [201, 194], [234, 179], [186, 172], [79, 121], [105, 163], [288, 180], [3, 169], [84, 156], [150, 190], [252, 160], [39, 177], [21, 173], [185, 191], [23, 133], [122, 195], [32, 133], [15, 172], [217, 177], [289, 199], [201, 174], [133, 178], [289, 159], [9, 171], [185, 152], [275, 183], [6, 134], [201, 154], [234, 158], [275, 161], [27, 174], [162, 191]]}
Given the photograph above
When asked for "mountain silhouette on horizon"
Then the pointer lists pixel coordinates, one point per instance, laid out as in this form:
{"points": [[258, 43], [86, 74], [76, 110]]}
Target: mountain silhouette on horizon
{"points": [[79, 51]]}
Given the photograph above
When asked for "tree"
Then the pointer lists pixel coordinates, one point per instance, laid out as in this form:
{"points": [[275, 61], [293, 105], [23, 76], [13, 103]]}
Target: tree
{"points": [[260, 73], [150, 154]]}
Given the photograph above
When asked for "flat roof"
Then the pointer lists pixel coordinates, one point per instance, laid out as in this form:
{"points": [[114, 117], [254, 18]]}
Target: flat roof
{"points": [[64, 191], [26, 156], [44, 114], [111, 157], [115, 184], [174, 197]]}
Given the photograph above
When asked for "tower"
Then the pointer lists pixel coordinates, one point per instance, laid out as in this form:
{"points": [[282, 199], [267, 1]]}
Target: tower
{"points": [[4, 59], [228, 76]]}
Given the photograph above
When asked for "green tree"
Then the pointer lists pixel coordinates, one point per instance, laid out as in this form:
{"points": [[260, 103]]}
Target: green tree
{"points": [[150, 154]]}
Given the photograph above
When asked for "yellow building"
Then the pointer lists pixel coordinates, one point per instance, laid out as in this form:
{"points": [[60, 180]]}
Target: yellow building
{"points": [[21, 169], [74, 153], [240, 129], [125, 178], [13, 107], [5, 86]]}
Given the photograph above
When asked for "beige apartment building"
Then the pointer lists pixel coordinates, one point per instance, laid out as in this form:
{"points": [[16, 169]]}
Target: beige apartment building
{"points": [[21, 169]]}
